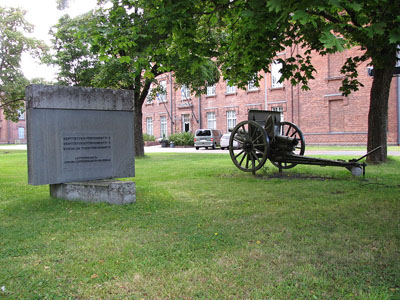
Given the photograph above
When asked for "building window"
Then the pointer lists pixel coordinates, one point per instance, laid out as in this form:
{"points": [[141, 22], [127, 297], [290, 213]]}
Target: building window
{"points": [[211, 90], [185, 92], [21, 133], [162, 95], [186, 123], [252, 86], [211, 120], [21, 115], [276, 74], [230, 89], [149, 126], [280, 109], [230, 119], [163, 126], [149, 98]]}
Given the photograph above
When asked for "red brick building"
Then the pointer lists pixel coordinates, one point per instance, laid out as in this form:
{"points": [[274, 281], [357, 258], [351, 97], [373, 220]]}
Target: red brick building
{"points": [[11, 132], [322, 113]]}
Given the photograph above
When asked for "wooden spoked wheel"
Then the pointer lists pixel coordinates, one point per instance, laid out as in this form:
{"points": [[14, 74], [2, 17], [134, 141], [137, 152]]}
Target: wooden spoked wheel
{"points": [[253, 146], [291, 130]]}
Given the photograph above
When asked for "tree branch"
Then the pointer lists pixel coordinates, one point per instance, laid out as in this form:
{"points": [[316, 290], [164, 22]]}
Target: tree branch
{"points": [[9, 102], [353, 16], [337, 21]]}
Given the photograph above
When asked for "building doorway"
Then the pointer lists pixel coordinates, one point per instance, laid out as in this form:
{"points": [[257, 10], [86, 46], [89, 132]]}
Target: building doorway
{"points": [[186, 123]]}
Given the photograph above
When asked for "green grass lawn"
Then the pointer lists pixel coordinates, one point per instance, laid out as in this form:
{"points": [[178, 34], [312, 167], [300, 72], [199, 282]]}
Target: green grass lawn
{"points": [[201, 229]]}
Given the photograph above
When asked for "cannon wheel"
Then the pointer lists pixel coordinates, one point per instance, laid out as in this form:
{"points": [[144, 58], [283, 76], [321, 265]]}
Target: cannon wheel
{"points": [[291, 130], [253, 147]]}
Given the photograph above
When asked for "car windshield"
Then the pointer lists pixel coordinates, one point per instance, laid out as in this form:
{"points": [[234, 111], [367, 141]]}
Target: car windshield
{"points": [[203, 132]]}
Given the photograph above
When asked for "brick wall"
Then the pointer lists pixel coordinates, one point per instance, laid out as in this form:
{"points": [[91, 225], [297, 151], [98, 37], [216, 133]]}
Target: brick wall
{"points": [[322, 113], [12, 133]]}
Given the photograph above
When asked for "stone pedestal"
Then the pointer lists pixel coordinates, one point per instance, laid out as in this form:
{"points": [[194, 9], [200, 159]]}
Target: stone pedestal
{"points": [[109, 191]]}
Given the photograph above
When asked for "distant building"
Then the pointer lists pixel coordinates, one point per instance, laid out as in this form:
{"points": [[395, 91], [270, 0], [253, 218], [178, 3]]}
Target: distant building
{"points": [[11, 132], [322, 113]]}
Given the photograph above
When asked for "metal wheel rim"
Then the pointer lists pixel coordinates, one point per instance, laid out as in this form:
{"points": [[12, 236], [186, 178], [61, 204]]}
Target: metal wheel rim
{"points": [[253, 146], [291, 130]]}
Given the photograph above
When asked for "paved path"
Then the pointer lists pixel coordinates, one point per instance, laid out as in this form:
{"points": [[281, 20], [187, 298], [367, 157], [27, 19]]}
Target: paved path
{"points": [[159, 149], [12, 147]]}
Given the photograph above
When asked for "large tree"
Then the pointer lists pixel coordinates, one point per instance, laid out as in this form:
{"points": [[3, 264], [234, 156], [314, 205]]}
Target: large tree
{"points": [[14, 42], [116, 47], [245, 36]]}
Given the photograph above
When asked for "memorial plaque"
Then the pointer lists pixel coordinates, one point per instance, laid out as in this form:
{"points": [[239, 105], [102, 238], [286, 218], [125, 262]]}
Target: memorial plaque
{"points": [[77, 134], [86, 150]]}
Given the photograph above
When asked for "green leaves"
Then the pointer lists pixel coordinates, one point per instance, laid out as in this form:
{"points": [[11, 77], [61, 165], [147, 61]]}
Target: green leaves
{"points": [[13, 44], [394, 36], [301, 16], [330, 41], [274, 5], [124, 59]]}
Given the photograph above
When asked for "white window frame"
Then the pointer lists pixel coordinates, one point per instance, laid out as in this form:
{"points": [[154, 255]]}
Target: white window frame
{"points": [[251, 86], [149, 100], [185, 119], [149, 126], [163, 126], [185, 93], [162, 96], [230, 119], [276, 74], [280, 109], [211, 120], [21, 133], [21, 115], [230, 89], [211, 90]]}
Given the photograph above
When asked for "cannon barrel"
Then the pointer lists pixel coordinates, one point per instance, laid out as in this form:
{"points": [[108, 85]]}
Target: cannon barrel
{"points": [[284, 143]]}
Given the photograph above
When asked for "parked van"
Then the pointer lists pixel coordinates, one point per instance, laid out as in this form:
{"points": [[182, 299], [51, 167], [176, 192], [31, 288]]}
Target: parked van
{"points": [[207, 138]]}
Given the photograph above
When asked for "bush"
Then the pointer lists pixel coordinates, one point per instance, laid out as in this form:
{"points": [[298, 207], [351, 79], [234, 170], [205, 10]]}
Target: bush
{"points": [[148, 137], [182, 139]]}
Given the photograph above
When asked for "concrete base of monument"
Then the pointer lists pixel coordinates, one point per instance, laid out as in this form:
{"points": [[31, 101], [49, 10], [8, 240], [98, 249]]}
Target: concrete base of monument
{"points": [[109, 191]]}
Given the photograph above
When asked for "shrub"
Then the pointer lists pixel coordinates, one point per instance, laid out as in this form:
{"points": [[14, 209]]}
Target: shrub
{"points": [[148, 137], [182, 139]]}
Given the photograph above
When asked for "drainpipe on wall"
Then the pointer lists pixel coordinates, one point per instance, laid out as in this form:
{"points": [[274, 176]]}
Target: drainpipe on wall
{"points": [[298, 98], [398, 97], [8, 131], [398, 110], [170, 102], [266, 94], [200, 112]]}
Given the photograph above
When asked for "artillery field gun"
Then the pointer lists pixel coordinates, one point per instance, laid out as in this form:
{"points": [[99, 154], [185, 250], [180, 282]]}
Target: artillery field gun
{"points": [[263, 136]]}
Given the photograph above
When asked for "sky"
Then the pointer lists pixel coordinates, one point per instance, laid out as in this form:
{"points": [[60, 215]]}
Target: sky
{"points": [[43, 14]]}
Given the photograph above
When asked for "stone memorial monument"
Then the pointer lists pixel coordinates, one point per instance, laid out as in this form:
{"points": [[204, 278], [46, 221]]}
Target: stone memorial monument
{"points": [[77, 138]]}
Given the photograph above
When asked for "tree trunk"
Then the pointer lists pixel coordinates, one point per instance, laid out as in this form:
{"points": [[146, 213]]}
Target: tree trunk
{"points": [[139, 144], [378, 114]]}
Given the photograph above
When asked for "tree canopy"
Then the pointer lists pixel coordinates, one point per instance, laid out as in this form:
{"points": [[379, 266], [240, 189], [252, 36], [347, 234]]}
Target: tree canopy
{"points": [[13, 30], [245, 37], [116, 47]]}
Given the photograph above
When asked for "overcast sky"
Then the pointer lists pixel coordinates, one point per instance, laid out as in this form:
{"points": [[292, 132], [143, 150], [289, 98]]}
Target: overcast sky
{"points": [[43, 14]]}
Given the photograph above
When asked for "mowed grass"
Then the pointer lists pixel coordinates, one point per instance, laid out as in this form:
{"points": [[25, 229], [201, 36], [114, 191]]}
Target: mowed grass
{"points": [[201, 229]]}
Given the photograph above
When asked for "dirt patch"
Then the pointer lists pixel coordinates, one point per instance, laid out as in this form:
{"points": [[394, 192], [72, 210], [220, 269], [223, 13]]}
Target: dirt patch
{"points": [[277, 175], [293, 176]]}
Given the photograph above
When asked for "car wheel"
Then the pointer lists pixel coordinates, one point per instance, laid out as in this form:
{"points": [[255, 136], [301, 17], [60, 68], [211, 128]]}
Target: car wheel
{"points": [[222, 148], [197, 148], [213, 146]]}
